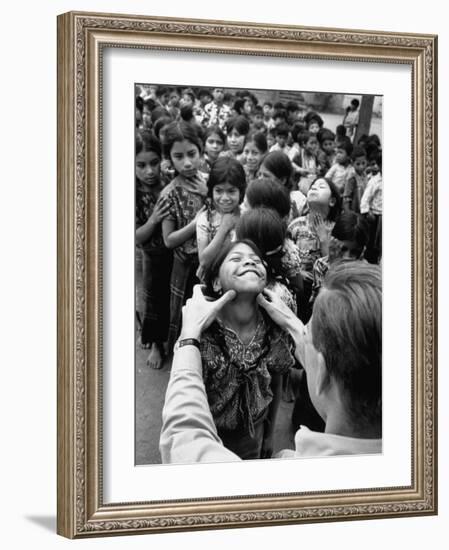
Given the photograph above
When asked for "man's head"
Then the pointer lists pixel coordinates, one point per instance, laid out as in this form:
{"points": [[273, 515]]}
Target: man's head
{"points": [[344, 345]]}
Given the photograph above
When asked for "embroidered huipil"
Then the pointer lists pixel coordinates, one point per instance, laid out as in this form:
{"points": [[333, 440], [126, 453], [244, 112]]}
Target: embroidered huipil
{"points": [[237, 377], [185, 198]]}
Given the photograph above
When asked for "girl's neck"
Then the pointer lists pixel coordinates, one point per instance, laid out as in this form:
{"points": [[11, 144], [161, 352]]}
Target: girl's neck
{"points": [[241, 315], [320, 209], [236, 210]]}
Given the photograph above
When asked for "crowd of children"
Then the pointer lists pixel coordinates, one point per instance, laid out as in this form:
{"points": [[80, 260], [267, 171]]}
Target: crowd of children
{"points": [[213, 167]]}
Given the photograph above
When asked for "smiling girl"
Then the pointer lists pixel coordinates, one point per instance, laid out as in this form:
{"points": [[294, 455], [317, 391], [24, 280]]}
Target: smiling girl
{"points": [[253, 153], [215, 226], [243, 354]]}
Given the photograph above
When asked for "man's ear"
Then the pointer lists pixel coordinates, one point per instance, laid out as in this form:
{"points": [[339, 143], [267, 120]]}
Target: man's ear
{"points": [[216, 285], [322, 377]]}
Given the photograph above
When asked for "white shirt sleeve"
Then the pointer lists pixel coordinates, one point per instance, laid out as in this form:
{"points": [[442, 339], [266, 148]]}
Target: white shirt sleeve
{"points": [[188, 430]]}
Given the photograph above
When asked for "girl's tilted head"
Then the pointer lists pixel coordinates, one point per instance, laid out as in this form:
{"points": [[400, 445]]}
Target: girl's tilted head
{"points": [[324, 193], [182, 144], [148, 158], [238, 267], [226, 184]]}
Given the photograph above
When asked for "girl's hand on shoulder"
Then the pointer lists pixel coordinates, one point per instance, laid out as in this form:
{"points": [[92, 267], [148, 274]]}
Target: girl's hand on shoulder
{"points": [[161, 209]]}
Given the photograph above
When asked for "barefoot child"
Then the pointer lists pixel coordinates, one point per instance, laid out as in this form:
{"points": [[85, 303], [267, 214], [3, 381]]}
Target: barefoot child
{"points": [[151, 209]]}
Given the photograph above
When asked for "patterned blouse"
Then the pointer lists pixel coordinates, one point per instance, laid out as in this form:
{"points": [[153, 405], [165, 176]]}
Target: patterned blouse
{"points": [[307, 242], [145, 203], [237, 376], [207, 225], [185, 200]]}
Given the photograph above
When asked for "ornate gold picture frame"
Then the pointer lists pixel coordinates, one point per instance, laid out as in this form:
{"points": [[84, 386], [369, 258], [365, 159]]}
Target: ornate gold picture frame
{"points": [[82, 509]]}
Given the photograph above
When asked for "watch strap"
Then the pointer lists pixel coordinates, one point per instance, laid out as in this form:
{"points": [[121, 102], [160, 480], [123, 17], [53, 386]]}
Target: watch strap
{"points": [[188, 342]]}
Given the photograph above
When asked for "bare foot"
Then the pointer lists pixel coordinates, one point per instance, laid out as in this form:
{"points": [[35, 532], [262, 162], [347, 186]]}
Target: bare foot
{"points": [[154, 360]]}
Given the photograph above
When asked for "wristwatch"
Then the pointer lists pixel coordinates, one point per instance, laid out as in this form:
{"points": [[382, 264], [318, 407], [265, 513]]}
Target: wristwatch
{"points": [[186, 342]]}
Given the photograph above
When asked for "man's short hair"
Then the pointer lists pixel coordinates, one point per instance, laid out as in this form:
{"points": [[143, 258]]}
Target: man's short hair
{"points": [[347, 330]]}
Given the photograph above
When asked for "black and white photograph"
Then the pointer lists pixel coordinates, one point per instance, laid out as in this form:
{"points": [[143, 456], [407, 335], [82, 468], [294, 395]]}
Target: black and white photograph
{"points": [[258, 274]]}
